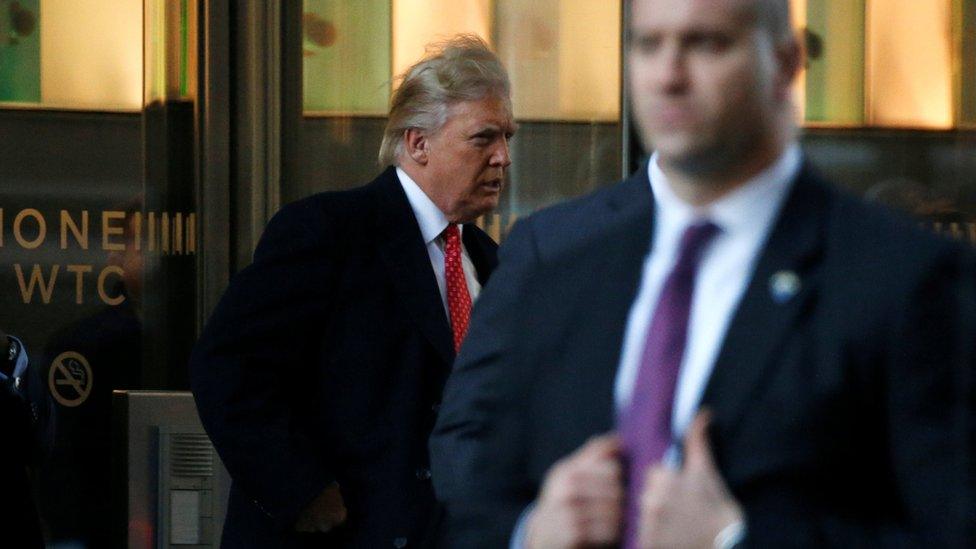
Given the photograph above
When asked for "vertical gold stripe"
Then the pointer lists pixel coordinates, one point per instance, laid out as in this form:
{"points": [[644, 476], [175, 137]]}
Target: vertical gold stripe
{"points": [[151, 225], [137, 229], [164, 231]]}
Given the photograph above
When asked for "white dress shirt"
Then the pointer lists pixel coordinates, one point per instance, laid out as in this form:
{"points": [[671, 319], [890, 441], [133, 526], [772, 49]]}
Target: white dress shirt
{"points": [[432, 223], [744, 218]]}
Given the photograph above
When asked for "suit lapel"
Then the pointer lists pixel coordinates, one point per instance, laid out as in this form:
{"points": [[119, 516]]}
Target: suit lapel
{"points": [[616, 261], [770, 306], [482, 251], [405, 254]]}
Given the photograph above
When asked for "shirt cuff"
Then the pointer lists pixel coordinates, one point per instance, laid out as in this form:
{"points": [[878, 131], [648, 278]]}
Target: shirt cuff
{"points": [[521, 528]]}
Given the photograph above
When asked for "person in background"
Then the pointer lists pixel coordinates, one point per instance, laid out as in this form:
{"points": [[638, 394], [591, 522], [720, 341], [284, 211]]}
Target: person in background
{"points": [[25, 412], [319, 375]]}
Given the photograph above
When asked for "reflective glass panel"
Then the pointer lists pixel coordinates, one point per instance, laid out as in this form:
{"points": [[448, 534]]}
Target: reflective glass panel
{"points": [[417, 23], [909, 53], [71, 54], [833, 81], [98, 231], [965, 63], [346, 49], [887, 63]]}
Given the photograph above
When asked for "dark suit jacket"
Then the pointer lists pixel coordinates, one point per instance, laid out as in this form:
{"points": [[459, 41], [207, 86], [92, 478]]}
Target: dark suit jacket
{"points": [[325, 361], [839, 415]]}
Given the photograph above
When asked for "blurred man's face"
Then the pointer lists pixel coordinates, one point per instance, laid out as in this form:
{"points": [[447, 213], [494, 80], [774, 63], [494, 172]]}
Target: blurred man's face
{"points": [[706, 82], [467, 158]]}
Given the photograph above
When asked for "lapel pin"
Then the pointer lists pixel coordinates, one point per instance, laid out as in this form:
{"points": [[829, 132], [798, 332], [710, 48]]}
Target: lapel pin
{"points": [[783, 286]]}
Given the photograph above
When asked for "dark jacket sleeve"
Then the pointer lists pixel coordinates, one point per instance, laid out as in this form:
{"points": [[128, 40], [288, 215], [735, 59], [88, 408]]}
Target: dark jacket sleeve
{"points": [[475, 448], [18, 426], [255, 355], [28, 412]]}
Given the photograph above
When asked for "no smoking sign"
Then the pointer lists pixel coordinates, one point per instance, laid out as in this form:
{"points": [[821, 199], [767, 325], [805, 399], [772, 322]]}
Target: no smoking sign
{"points": [[70, 379]]}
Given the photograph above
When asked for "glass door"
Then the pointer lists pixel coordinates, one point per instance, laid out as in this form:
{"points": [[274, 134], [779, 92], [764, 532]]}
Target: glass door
{"points": [[98, 225]]}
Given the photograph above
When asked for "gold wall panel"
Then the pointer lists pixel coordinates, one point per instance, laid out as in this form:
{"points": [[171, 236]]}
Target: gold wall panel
{"points": [[91, 54], [910, 58], [417, 23]]}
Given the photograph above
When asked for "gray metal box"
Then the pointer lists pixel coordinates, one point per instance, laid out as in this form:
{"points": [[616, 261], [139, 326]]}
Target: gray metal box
{"points": [[171, 487]]}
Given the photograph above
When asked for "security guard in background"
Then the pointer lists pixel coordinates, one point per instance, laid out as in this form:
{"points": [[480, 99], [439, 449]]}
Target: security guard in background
{"points": [[25, 410]]}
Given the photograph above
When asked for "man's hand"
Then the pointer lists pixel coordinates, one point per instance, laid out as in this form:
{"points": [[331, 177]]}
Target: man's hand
{"points": [[324, 513], [581, 502], [687, 507]]}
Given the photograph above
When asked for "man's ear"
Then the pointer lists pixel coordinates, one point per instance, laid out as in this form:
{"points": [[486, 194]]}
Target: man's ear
{"points": [[416, 145], [789, 59]]}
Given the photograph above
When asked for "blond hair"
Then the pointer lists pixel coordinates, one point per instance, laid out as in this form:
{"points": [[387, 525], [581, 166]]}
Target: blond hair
{"points": [[462, 68]]}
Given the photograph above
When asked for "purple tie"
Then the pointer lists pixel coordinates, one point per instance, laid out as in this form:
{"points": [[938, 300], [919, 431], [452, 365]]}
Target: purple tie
{"points": [[645, 425]]}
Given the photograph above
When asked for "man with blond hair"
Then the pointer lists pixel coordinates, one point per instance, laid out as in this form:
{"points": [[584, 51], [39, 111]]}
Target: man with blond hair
{"points": [[319, 376], [723, 350]]}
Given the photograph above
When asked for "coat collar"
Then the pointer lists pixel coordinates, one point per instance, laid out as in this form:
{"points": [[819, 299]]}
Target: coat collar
{"points": [[482, 250], [404, 251], [405, 255]]}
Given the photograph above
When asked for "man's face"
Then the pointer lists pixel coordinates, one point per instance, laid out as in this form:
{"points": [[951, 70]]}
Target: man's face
{"points": [[705, 81], [467, 158]]}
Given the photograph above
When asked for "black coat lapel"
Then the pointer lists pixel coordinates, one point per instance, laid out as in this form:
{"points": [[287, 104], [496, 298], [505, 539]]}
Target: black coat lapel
{"points": [[405, 254], [761, 323], [482, 250]]}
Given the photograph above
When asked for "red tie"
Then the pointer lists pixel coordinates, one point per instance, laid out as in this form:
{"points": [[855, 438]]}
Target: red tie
{"points": [[458, 298]]}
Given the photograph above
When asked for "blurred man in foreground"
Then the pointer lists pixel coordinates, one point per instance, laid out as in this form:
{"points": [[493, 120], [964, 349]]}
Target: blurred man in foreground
{"points": [[723, 349]]}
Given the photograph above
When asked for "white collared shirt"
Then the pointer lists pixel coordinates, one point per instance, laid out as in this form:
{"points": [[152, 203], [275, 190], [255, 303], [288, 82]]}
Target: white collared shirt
{"points": [[744, 217], [432, 223]]}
